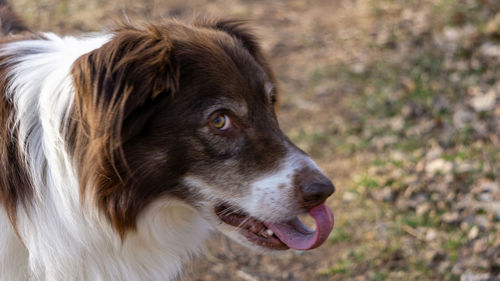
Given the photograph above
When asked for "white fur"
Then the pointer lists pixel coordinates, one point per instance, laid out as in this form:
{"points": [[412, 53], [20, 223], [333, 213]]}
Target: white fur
{"points": [[60, 239], [270, 198], [273, 196], [13, 255]]}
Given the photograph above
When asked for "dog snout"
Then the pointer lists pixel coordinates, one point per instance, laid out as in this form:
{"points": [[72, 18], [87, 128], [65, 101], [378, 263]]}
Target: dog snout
{"points": [[314, 189]]}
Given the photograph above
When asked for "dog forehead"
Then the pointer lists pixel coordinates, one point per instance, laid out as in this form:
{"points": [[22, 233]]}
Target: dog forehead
{"points": [[217, 57], [236, 85]]}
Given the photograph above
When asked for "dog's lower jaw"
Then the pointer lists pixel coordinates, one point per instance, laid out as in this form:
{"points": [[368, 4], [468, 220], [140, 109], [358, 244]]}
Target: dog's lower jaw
{"points": [[234, 234], [169, 233]]}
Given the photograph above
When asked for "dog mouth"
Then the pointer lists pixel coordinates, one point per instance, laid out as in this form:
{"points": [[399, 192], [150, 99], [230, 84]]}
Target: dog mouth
{"points": [[283, 235]]}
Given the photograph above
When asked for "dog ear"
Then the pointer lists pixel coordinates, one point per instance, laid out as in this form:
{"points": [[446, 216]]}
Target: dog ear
{"points": [[118, 87], [125, 76], [240, 30], [133, 67]]}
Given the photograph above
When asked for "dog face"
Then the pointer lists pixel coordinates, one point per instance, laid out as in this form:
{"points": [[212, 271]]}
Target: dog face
{"points": [[189, 112]]}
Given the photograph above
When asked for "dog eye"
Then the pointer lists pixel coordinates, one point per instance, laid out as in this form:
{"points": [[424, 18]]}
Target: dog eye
{"points": [[221, 122]]}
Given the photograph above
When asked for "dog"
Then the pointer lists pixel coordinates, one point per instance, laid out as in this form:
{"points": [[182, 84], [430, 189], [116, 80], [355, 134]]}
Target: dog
{"points": [[121, 152]]}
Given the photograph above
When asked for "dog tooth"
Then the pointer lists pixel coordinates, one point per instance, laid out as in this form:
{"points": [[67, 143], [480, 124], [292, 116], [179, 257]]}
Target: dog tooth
{"points": [[269, 232]]}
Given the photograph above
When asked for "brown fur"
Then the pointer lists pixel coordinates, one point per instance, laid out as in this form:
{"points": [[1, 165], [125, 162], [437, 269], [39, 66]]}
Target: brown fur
{"points": [[113, 84], [131, 95], [138, 123], [120, 131], [15, 185]]}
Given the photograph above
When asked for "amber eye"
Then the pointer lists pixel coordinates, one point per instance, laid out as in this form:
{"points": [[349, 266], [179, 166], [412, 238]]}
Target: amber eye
{"points": [[221, 122]]}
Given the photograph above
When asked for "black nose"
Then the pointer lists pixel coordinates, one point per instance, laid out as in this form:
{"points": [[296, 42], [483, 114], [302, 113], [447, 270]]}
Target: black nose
{"points": [[314, 192]]}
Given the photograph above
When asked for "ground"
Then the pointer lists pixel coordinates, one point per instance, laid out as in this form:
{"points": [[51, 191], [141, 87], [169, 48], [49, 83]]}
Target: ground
{"points": [[398, 101]]}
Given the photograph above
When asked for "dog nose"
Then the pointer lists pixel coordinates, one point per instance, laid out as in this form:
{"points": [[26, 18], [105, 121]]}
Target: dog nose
{"points": [[315, 191]]}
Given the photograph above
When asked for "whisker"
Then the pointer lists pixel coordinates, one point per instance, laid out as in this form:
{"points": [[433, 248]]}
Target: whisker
{"points": [[231, 209]]}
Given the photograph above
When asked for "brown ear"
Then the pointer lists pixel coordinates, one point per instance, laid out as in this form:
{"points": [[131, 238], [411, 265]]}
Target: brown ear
{"points": [[135, 65], [125, 75], [240, 30], [118, 88]]}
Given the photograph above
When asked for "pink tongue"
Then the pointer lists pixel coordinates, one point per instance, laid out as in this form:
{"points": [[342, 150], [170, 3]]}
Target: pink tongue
{"points": [[298, 236]]}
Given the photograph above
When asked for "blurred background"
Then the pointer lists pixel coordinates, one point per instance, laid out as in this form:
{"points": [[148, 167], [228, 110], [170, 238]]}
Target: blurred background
{"points": [[399, 103]]}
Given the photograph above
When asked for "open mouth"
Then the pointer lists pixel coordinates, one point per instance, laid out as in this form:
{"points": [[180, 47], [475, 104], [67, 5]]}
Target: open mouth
{"points": [[280, 236]]}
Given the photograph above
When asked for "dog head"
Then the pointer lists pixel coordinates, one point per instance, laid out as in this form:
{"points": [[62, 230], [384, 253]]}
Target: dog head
{"points": [[188, 111]]}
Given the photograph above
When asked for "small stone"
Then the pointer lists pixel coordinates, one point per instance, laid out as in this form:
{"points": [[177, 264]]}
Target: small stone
{"points": [[324, 89], [474, 276], [420, 167], [474, 91], [493, 24], [451, 218], [480, 127], [423, 209], [358, 68], [462, 118], [490, 50], [484, 102], [466, 167], [385, 194], [245, 276], [398, 155], [406, 111], [482, 222], [473, 233], [383, 141], [485, 197], [431, 234], [349, 196], [444, 266], [434, 153], [397, 123], [451, 34], [479, 246], [218, 268], [439, 166]]}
